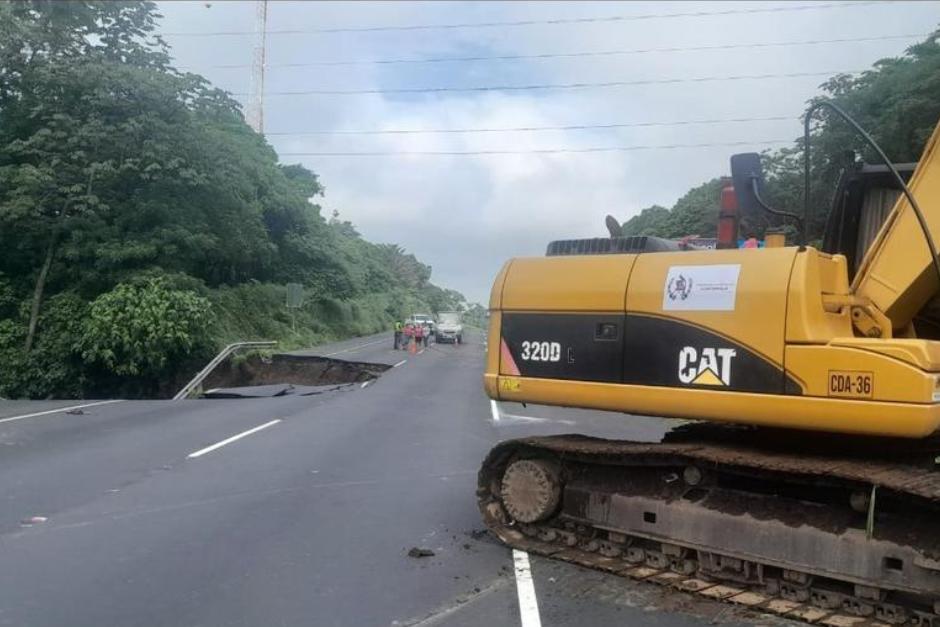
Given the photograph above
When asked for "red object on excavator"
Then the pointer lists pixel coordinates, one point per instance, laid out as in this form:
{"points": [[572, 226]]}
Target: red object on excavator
{"points": [[728, 217]]}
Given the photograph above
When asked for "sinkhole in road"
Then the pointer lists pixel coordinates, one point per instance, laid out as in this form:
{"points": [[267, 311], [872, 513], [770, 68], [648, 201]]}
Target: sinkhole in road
{"points": [[280, 374]]}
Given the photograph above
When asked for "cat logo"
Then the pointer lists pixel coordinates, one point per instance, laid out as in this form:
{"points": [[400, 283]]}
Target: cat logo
{"points": [[711, 367]]}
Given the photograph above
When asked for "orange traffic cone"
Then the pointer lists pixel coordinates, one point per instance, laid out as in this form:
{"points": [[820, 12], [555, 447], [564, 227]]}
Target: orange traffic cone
{"points": [[413, 346]]}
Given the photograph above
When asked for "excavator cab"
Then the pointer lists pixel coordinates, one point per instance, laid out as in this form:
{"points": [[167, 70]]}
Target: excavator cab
{"points": [[864, 196]]}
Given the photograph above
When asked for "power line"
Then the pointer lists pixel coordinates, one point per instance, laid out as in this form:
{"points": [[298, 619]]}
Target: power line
{"points": [[550, 22], [514, 129], [542, 151], [549, 86], [579, 54]]}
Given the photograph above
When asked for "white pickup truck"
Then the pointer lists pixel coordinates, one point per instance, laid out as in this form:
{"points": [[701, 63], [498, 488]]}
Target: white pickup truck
{"points": [[449, 328], [423, 320]]}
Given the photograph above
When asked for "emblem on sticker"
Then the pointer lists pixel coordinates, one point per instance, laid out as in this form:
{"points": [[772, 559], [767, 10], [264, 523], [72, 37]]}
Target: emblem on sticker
{"points": [[679, 287], [509, 385]]}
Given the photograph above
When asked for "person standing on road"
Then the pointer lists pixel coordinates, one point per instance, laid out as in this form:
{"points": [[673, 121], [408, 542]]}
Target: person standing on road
{"points": [[407, 334], [398, 328], [419, 335]]}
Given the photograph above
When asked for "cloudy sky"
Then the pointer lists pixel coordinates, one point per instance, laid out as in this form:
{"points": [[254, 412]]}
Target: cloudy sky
{"points": [[466, 214]]}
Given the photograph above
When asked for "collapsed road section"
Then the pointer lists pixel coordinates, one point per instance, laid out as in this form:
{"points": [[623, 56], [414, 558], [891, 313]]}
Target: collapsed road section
{"points": [[280, 374]]}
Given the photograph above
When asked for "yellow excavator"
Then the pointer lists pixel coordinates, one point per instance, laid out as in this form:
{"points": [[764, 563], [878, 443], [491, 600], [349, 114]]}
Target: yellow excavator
{"points": [[806, 479]]}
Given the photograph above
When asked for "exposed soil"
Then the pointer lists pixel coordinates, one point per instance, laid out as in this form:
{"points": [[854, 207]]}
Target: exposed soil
{"points": [[291, 369]]}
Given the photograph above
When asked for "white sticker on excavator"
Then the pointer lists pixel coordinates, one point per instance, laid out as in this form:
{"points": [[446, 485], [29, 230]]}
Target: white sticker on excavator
{"points": [[701, 288]]}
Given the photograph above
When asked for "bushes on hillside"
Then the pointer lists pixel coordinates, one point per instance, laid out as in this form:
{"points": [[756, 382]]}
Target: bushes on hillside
{"points": [[145, 329]]}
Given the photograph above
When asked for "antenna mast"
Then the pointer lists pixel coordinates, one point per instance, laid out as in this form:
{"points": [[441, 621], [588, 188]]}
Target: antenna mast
{"points": [[255, 108]]}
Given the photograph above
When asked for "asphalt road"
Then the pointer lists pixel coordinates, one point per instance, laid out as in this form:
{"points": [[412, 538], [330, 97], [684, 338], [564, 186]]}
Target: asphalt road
{"points": [[155, 516]]}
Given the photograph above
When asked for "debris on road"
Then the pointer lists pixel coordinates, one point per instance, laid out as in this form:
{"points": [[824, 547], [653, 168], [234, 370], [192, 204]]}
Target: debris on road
{"points": [[75, 412], [417, 552]]}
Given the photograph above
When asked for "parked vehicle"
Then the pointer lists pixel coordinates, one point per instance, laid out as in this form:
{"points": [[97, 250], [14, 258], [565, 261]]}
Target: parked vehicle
{"points": [[449, 328]]}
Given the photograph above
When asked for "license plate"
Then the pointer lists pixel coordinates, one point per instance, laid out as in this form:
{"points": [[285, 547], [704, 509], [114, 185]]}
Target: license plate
{"points": [[851, 383]]}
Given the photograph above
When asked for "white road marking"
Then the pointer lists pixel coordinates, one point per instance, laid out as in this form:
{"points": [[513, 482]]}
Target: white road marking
{"points": [[399, 363], [494, 410], [528, 603], [365, 383], [536, 419], [354, 348], [421, 351], [241, 435], [56, 411]]}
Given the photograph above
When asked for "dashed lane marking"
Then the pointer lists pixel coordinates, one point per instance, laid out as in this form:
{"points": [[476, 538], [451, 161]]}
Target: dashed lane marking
{"points": [[59, 410], [494, 410], [241, 435], [399, 363], [528, 603]]}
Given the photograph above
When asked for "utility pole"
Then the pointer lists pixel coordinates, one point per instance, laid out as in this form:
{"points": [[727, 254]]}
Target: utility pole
{"points": [[255, 108]]}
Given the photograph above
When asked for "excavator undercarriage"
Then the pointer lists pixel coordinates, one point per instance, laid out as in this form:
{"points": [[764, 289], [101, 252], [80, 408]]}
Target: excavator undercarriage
{"points": [[755, 517]]}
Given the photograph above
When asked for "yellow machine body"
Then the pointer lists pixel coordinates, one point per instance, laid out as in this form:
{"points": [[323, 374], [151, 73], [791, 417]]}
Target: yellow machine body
{"points": [[755, 336], [775, 336]]}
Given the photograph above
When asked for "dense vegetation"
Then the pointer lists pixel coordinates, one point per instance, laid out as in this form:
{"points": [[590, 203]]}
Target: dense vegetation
{"points": [[144, 224], [898, 101]]}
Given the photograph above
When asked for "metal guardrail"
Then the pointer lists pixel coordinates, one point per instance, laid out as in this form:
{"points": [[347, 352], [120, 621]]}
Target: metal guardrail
{"points": [[196, 381]]}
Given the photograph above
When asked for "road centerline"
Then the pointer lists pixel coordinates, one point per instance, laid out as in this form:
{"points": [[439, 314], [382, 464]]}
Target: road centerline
{"points": [[59, 410], [525, 588], [234, 438]]}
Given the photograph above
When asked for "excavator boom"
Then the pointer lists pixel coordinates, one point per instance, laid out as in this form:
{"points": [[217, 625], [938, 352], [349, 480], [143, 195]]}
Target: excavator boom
{"points": [[897, 275]]}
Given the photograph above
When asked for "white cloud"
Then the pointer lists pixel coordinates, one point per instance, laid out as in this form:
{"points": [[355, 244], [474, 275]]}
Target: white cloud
{"points": [[466, 215]]}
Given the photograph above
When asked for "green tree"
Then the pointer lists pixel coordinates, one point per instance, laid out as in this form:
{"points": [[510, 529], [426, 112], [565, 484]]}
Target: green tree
{"points": [[52, 130], [696, 213], [116, 169], [650, 221], [896, 101], [476, 315], [145, 328]]}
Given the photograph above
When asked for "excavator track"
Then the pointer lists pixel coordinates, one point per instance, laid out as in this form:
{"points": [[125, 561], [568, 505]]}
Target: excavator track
{"points": [[825, 529]]}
